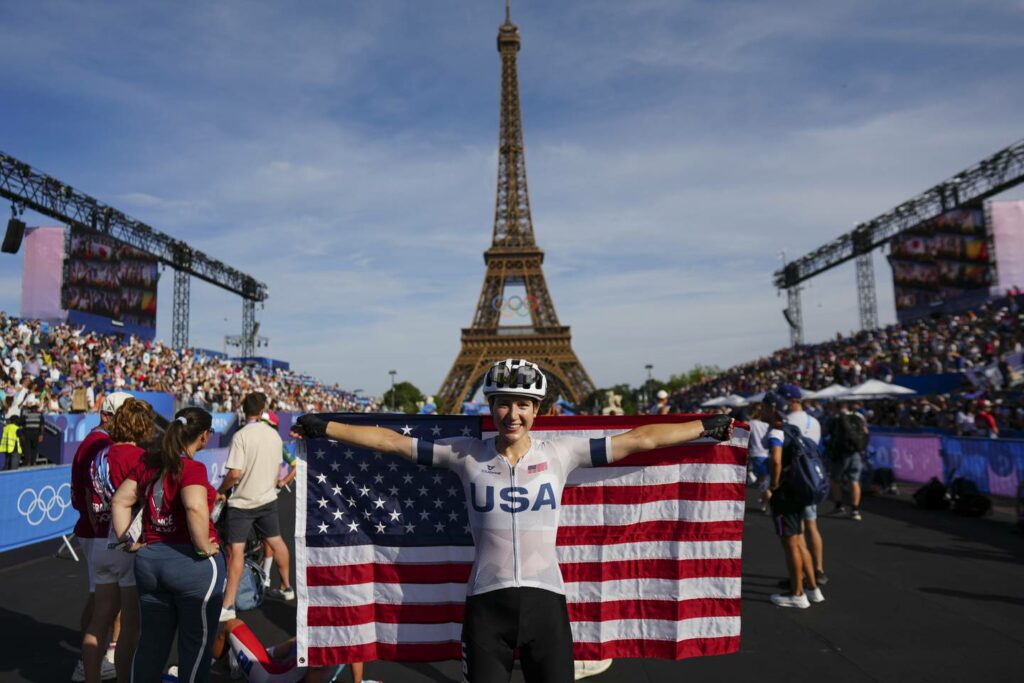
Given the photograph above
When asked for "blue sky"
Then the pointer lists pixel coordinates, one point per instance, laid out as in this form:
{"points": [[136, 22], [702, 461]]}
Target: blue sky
{"points": [[345, 154]]}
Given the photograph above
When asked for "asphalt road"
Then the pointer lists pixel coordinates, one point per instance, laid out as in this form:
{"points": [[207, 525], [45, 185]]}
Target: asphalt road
{"points": [[914, 596]]}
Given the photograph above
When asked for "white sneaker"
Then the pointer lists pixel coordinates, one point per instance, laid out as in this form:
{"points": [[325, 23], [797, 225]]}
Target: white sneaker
{"points": [[585, 668], [790, 600], [814, 595], [227, 613], [111, 649], [79, 673]]}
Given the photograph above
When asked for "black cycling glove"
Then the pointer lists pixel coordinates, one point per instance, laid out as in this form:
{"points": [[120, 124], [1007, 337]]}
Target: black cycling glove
{"points": [[311, 427], [717, 427]]}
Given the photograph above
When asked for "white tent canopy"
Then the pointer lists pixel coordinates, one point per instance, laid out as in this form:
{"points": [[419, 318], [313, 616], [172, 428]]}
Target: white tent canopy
{"points": [[876, 388], [732, 400], [830, 392]]}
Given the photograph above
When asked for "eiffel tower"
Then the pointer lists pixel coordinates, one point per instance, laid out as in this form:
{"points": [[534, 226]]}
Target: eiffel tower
{"points": [[515, 317]]}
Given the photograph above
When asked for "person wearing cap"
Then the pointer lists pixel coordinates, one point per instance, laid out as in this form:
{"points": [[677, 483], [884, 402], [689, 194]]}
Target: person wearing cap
{"points": [[811, 428], [93, 521], [515, 594], [661, 407], [788, 515], [31, 430]]}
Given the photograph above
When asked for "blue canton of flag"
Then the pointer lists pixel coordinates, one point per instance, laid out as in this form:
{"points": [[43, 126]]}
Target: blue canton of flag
{"points": [[356, 496]]}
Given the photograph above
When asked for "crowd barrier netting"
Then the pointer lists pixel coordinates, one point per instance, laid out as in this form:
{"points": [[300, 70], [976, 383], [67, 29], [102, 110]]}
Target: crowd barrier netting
{"points": [[995, 465]]}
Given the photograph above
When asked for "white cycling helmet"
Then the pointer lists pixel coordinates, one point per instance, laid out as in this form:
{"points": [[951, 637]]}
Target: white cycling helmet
{"points": [[515, 377]]}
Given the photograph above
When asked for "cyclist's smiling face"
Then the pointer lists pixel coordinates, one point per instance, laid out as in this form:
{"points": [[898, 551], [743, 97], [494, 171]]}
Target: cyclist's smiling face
{"points": [[513, 416]]}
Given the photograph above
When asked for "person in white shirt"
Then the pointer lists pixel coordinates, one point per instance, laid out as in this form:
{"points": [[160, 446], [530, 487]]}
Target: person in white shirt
{"points": [[811, 428]]}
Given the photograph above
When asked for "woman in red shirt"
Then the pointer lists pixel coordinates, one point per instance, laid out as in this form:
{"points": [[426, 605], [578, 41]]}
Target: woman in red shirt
{"points": [[178, 569], [114, 571]]}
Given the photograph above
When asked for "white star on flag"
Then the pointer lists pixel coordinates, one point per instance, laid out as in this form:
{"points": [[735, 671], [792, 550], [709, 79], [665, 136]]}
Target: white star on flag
{"points": [[336, 490], [335, 466], [435, 430], [407, 430], [409, 528], [348, 454], [380, 528], [395, 515], [364, 492], [338, 514], [323, 528], [466, 431], [323, 502], [379, 503], [321, 478], [439, 527], [353, 526]]}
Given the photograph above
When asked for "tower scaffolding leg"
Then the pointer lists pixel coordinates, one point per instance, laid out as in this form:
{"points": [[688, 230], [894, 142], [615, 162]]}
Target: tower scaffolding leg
{"points": [[248, 328], [179, 326], [866, 299], [796, 330]]}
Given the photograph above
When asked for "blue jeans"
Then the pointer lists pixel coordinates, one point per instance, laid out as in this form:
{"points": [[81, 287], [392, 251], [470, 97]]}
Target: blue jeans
{"points": [[179, 593]]}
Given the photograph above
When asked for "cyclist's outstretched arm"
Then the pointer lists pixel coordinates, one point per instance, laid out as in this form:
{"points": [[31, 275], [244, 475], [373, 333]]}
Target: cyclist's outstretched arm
{"points": [[649, 437], [370, 438]]}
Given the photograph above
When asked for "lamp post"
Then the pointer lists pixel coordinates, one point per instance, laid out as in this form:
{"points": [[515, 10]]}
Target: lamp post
{"points": [[392, 373], [647, 388]]}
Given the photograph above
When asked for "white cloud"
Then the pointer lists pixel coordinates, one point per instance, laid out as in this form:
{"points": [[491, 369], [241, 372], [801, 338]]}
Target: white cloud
{"points": [[346, 156]]}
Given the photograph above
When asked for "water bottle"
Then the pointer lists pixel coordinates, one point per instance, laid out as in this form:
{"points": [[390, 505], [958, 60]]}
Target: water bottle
{"points": [[218, 507]]}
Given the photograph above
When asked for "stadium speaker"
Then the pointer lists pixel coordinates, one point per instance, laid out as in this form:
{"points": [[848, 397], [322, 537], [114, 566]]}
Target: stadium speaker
{"points": [[15, 233], [789, 319]]}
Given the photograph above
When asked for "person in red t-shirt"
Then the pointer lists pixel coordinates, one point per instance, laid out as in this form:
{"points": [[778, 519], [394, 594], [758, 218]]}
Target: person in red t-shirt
{"points": [[178, 569], [984, 421], [114, 571], [93, 514]]}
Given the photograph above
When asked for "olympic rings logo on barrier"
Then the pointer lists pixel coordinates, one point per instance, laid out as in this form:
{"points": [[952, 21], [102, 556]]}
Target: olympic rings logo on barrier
{"points": [[515, 305], [49, 503]]}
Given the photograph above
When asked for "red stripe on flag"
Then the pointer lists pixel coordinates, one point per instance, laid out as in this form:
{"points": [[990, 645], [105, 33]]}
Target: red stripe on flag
{"points": [[651, 531], [347, 575], [654, 609], [435, 652], [714, 454], [406, 652], [634, 495], [441, 613], [662, 649], [650, 569]]}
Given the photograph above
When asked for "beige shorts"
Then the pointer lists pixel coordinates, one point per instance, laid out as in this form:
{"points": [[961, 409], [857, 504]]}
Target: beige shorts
{"points": [[86, 544], [111, 566]]}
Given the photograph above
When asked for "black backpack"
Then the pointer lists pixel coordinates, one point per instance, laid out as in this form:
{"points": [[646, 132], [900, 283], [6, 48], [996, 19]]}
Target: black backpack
{"points": [[805, 476], [968, 500], [932, 496], [849, 436]]}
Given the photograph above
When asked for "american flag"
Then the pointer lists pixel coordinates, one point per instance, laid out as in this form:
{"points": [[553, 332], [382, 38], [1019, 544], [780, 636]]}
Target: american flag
{"points": [[649, 547]]}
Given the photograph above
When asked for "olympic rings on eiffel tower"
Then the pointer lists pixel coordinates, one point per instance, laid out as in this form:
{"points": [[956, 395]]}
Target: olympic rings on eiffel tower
{"points": [[515, 305]]}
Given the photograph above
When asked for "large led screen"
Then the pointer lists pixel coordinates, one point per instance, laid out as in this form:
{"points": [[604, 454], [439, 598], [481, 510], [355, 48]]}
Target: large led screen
{"points": [[110, 279]]}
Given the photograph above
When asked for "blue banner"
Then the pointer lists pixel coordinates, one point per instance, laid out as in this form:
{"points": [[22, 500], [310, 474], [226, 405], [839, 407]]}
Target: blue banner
{"points": [[35, 505]]}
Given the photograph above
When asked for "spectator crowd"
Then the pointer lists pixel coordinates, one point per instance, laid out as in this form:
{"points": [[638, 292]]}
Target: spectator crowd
{"points": [[973, 343], [63, 369]]}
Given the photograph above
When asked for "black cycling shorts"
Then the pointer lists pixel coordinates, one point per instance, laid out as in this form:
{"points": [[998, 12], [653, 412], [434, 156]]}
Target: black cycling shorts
{"points": [[533, 620]]}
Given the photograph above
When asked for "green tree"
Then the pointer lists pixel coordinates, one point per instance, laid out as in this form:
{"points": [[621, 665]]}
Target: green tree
{"points": [[404, 398], [698, 373]]}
